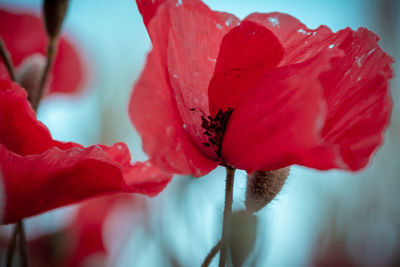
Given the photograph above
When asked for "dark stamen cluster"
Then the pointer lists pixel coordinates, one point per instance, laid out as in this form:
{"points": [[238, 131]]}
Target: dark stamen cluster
{"points": [[215, 128]]}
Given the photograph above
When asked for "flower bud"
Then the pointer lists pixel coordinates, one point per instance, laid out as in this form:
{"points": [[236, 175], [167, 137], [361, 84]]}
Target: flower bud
{"points": [[242, 236], [54, 12], [262, 187], [29, 73]]}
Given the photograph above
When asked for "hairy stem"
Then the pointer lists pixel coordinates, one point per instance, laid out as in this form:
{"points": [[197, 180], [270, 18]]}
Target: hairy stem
{"points": [[230, 175], [5, 55]]}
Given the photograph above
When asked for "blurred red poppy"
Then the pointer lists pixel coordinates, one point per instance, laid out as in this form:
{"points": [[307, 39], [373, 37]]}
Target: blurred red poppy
{"points": [[25, 36], [258, 94], [85, 241], [86, 235], [41, 173]]}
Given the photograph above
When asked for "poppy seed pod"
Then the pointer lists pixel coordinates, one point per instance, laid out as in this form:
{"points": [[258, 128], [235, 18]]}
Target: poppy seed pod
{"points": [[54, 12], [262, 187]]}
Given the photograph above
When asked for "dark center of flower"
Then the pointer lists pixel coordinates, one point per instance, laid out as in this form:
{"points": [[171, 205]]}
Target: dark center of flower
{"points": [[215, 128]]}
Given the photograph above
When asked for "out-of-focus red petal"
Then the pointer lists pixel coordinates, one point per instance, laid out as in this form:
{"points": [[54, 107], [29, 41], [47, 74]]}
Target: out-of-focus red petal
{"points": [[3, 71], [153, 112], [24, 35], [188, 63], [358, 98], [20, 131], [279, 119], [68, 71], [246, 52], [37, 183], [299, 42], [85, 240], [85, 235], [42, 174]]}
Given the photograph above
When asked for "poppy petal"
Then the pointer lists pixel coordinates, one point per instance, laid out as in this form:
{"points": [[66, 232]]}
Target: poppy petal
{"points": [[246, 52], [189, 64], [186, 80], [85, 236], [20, 131], [42, 174], [37, 183], [300, 43], [154, 114], [148, 8], [280, 118], [357, 94], [68, 71]]}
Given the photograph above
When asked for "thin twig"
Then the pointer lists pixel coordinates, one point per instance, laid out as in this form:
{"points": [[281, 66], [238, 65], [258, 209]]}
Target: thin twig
{"points": [[230, 175], [211, 254], [5, 55], [50, 54]]}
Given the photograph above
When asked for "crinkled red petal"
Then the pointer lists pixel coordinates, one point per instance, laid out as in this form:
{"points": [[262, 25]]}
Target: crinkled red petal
{"points": [[177, 75], [41, 182], [187, 62], [299, 42], [153, 112], [41, 173], [358, 98]]}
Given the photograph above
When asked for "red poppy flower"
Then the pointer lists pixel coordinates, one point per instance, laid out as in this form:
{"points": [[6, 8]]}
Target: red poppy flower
{"points": [[258, 94], [41, 173], [24, 35]]}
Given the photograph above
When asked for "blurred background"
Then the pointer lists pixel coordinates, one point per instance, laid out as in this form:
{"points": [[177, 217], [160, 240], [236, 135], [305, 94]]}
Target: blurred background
{"points": [[331, 218]]}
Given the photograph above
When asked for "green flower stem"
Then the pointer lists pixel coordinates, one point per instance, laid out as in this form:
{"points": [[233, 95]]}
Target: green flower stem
{"points": [[230, 175]]}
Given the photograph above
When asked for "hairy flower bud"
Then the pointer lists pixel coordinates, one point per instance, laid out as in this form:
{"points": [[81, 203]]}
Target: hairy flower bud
{"points": [[28, 74], [242, 236], [262, 187], [54, 12]]}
